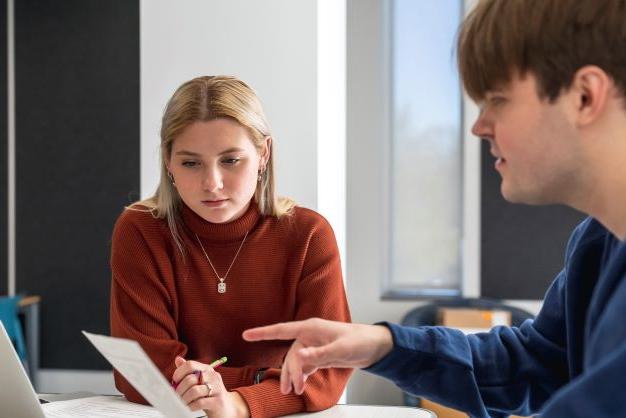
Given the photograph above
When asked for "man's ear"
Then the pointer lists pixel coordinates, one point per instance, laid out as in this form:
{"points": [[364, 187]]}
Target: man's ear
{"points": [[590, 89]]}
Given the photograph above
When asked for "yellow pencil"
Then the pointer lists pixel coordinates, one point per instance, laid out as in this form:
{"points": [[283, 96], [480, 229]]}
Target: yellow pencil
{"points": [[217, 363]]}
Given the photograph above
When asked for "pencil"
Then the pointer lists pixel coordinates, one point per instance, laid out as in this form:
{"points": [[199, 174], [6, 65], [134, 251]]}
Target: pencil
{"points": [[217, 363]]}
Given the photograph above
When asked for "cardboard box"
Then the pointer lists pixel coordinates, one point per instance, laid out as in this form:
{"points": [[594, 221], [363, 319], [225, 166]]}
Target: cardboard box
{"points": [[473, 318]]}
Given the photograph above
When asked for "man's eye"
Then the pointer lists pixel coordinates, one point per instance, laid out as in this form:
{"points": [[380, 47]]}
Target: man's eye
{"points": [[495, 101]]}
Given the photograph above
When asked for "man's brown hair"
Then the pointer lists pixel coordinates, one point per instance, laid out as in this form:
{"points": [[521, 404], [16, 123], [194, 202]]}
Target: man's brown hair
{"points": [[551, 39]]}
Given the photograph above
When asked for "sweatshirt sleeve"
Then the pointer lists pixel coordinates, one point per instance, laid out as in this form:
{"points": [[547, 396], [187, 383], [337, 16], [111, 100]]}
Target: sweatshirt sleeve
{"points": [[320, 293], [143, 307], [508, 370]]}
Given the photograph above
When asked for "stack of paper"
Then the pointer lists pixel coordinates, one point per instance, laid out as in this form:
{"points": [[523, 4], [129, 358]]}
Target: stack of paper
{"points": [[99, 406]]}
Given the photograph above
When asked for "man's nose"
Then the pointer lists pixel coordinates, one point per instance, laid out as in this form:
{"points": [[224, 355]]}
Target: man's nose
{"points": [[482, 128]]}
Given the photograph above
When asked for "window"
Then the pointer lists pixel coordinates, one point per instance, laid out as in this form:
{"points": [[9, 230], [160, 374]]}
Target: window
{"points": [[425, 150]]}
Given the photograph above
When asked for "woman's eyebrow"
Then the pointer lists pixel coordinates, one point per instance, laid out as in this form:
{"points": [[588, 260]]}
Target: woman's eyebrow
{"points": [[229, 150], [195, 154], [189, 153]]}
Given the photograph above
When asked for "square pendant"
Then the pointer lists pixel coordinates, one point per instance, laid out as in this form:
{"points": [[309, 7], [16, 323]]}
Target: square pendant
{"points": [[221, 287]]}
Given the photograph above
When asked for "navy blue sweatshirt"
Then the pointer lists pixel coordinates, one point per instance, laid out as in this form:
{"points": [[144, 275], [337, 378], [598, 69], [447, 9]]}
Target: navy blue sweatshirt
{"points": [[569, 362]]}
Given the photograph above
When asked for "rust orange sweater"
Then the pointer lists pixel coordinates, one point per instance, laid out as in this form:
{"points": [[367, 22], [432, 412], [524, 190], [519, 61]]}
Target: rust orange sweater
{"points": [[288, 269]]}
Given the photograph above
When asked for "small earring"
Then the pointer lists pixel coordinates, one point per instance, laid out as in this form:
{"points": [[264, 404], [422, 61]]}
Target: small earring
{"points": [[169, 174], [261, 173]]}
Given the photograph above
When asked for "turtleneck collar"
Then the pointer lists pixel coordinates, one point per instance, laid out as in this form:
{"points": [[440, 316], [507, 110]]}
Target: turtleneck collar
{"points": [[229, 231]]}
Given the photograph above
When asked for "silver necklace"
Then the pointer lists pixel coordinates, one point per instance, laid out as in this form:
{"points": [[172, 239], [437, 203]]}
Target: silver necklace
{"points": [[221, 286]]}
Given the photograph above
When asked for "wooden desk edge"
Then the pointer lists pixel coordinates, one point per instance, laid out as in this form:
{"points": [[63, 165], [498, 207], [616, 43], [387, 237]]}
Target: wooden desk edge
{"points": [[29, 300]]}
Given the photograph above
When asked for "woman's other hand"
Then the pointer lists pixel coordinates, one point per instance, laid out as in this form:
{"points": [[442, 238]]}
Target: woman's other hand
{"points": [[201, 387]]}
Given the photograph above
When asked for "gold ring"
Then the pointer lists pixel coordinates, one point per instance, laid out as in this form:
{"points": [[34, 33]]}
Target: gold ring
{"points": [[209, 388]]}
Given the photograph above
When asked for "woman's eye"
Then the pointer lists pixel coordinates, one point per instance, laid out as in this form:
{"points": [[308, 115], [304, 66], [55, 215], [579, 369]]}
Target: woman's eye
{"points": [[189, 163], [231, 161]]}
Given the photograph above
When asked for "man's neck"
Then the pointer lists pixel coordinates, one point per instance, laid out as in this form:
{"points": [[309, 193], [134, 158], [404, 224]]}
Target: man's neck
{"points": [[604, 197]]}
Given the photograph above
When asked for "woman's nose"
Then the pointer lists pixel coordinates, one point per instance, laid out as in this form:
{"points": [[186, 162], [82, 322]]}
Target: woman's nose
{"points": [[212, 179]]}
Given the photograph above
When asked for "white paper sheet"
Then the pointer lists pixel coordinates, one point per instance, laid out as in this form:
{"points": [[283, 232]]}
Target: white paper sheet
{"points": [[99, 407], [133, 363]]}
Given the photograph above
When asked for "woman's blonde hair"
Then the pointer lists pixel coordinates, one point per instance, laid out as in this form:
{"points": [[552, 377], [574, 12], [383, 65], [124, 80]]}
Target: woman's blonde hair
{"points": [[204, 99]]}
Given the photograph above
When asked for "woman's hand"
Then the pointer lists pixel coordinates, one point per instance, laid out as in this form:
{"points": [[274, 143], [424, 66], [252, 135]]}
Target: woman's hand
{"points": [[201, 387]]}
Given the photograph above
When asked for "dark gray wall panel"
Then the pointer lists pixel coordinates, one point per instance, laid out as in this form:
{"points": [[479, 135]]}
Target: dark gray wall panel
{"points": [[3, 148], [77, 81], [522, 246]]}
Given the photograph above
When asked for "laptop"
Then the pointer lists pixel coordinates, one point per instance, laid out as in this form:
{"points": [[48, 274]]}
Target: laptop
{"points": [[17, 395]]}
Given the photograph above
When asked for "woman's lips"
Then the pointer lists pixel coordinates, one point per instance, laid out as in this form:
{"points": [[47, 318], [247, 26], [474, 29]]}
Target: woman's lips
{"points": [[214, 203]]}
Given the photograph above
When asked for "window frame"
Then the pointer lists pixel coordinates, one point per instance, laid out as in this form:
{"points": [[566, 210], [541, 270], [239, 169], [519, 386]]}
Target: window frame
{"points": [[468, 184]]}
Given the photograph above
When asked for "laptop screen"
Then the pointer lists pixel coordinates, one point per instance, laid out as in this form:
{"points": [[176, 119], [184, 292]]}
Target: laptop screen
{"points": [[17, 396]]}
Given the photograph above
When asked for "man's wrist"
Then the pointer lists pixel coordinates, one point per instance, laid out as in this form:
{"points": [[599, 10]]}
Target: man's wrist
{"points": [[384, 343]]}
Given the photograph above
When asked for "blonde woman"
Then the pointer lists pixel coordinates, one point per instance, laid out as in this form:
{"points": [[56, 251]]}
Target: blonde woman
{"points": [[215, 252]]}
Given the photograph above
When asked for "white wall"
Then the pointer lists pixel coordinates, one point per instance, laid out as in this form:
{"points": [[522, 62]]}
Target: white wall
{"points": [[331, 117], [471, 197]]}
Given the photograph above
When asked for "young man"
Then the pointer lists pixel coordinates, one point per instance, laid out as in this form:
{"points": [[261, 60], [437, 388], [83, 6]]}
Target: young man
{"points": [[550, 78]]}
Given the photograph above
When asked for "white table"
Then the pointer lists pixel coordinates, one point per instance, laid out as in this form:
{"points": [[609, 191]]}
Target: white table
{"points": [[337, 411], [369, 411]]}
